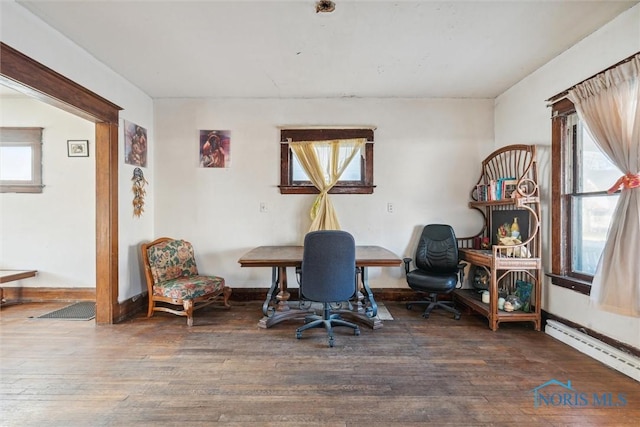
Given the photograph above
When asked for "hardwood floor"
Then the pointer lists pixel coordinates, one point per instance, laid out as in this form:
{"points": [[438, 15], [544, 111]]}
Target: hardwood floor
{"points": [[227, 370]]}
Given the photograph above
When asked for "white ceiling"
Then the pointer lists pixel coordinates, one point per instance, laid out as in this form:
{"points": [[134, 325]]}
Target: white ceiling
{"points": [[283, 49]]}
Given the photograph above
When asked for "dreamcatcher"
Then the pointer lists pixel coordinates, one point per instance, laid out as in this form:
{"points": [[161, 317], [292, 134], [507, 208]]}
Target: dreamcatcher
{"points": [[138, 191]]}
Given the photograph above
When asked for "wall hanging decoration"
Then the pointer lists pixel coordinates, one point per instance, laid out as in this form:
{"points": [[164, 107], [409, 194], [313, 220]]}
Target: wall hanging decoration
{"points": [[138, 191], [215, 148], [77, 148], [135, 144]]}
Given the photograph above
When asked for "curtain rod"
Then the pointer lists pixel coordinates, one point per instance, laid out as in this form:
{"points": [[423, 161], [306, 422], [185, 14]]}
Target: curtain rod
{"points": [[560, 96]]}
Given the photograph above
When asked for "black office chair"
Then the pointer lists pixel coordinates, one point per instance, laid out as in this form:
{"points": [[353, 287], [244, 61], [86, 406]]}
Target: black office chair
{"points": [[438, 269], [328, 275]]}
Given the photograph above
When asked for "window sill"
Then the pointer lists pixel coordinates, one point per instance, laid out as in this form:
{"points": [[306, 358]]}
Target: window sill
{"points": [[580, 286], [309, 189]]}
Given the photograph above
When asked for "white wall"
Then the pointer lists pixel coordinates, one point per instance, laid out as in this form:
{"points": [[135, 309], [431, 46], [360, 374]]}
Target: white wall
{"points": [[522, 116], [53, 231], [427, 159], [29, 35]]}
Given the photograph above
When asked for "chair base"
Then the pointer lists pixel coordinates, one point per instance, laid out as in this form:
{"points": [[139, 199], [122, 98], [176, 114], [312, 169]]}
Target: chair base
{"points": [[432, 303], [328, 321]]}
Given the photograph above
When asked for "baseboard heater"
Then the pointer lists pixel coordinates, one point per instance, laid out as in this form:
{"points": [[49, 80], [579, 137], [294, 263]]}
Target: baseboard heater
{"points": [[622, 362]]}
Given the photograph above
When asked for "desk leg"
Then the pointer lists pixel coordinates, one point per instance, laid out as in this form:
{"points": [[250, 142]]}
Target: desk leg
{"points": [[276, 306], [270, 301], [283, 295], [366, 311]]}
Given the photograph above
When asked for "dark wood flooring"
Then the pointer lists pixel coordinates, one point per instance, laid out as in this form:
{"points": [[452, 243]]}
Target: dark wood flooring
{"points": [[225, 369]]}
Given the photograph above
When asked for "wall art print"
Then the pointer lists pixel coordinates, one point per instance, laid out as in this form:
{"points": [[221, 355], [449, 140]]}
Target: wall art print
{"points": [[135, 144], [215, 148]]}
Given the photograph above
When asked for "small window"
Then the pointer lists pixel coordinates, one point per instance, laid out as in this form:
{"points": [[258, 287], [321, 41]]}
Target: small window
{"points": [[20, 160], [356, 179]]}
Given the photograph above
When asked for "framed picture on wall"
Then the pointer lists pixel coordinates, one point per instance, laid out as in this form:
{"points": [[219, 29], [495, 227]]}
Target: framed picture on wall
{"points": [[135, 144], [215, 148], [77, 148]]}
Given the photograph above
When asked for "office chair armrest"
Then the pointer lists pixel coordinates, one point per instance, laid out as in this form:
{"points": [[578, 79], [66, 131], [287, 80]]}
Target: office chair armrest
{"points": [[407, 262], [298, 273]]}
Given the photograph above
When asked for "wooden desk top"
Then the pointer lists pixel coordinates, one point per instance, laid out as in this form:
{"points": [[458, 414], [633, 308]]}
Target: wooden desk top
{"points": [[11, 275], [291, 256]]}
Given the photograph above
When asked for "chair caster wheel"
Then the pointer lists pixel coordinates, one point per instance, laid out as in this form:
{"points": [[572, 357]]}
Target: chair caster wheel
{"points": [[298, 335], [456, 317], [425, 315], [331, 342], [409, 306], [356, 332]]}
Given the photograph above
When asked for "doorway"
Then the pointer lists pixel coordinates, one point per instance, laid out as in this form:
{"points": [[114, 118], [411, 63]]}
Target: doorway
{"points": [[25, 75]]}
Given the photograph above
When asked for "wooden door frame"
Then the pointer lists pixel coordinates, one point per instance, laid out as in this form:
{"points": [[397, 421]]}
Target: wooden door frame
{"points": [[22, 73]]}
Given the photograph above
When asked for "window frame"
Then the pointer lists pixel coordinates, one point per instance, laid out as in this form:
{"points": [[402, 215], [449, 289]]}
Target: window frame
{"points": [[563, 191], [289, 186], [24, 137]]}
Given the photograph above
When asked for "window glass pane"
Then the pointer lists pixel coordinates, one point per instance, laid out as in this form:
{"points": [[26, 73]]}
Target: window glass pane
{"points": [[590, 222], [15, 163], [597, 173], [352, 172]]}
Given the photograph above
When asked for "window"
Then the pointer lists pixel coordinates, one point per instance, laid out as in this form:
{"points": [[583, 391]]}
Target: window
{"points": [[581, 209], [20, 160], [357, 178]]}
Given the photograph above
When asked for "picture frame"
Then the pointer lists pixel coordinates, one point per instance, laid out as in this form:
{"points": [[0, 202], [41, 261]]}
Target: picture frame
{"points": [[509, 186], [77, 148], [505, 218]]}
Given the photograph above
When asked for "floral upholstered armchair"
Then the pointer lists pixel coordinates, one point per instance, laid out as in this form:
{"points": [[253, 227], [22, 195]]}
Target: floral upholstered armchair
{"points": [[173, 279]]}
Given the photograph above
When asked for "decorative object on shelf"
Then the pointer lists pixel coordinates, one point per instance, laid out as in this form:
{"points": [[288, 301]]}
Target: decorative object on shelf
{"points": [[135, 144], [485, 244], [486, 297], [501, 302], [512, 303], [479, 277], [138, 192], [523, 291], [77, 148], [509, 224]]}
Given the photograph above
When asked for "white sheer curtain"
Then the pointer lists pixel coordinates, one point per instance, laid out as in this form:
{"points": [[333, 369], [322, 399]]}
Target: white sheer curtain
{"points": [[324, 173], [609, 105]]}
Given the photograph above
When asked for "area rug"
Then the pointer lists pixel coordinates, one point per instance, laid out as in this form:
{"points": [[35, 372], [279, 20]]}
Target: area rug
{"points": [[383, 312], [85, 310]]}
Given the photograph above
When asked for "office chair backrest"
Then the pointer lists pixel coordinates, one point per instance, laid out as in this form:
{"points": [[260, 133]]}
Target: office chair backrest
{"points": [[437, 249], [328, 272]]}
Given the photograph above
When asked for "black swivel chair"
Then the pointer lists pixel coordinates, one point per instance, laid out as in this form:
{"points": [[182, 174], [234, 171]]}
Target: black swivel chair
{"points": [[328, 275], [438, 269]]}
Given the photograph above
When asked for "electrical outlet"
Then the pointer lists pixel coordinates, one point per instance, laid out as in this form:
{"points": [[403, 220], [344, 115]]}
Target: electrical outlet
{"points": [[390, 207], [263, 207]]}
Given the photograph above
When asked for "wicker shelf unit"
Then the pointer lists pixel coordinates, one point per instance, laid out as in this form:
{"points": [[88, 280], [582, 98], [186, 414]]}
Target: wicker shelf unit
{"points": [[507, 261]]}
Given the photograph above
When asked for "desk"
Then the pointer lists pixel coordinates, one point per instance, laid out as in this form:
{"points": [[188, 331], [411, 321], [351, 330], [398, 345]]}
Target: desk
{"points": [[12, 275], [276, 305]]}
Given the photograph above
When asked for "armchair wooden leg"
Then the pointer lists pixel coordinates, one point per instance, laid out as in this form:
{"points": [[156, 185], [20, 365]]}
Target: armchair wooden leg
{"points": [[226, 293], [151, 307], [188, 308]]}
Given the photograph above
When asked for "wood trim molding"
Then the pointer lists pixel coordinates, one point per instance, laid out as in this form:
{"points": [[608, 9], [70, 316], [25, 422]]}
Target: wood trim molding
{"points": [[23, 294], [28, 76], [32, 78]]}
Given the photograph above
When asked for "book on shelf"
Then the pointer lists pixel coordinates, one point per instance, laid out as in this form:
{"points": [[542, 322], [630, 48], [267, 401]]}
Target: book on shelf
{"points": [[496, 189]]}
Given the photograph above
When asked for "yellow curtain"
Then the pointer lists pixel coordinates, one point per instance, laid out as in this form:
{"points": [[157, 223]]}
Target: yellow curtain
{"points": [[324, 162]]}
